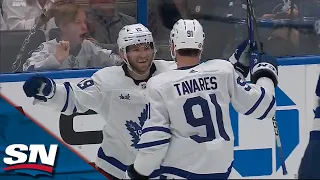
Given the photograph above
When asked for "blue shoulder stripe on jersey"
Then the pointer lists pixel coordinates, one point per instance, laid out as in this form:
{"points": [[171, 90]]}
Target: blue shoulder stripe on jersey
{"points": [[156, 128], [315, 135], [254, 107], [116, 163], [151, 144], [269, 108], [186, 174], [67, 87]]}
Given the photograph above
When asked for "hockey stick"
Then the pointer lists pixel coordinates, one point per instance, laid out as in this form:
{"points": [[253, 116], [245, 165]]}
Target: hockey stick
{"points": [[253, 31]]}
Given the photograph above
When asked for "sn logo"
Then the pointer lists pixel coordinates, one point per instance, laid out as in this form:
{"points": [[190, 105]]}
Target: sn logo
{"points": [[18, 159]]}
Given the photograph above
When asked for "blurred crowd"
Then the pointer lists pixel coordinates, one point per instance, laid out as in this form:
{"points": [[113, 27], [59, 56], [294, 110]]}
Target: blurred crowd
{"points": [[42, 35]]}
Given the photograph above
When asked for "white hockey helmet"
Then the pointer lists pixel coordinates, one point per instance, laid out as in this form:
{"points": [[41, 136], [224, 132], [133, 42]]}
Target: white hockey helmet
{"points": [[131, 35], [187, 34]]}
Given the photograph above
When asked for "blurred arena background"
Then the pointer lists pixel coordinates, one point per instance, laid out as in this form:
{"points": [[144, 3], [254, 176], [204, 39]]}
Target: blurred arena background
{"points": [[285, 29]]}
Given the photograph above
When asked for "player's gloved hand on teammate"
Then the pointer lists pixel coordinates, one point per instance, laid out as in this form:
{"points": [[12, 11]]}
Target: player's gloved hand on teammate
{"points": [[241, 58], [39, 87], [263, 65], [131, 173]]}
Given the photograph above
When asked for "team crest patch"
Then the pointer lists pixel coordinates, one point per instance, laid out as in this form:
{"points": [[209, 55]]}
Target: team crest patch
{"points": [[39, 48], [135, 129]]}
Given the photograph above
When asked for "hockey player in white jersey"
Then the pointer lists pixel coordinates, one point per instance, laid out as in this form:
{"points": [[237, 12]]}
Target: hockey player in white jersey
{"points": [[189, 132], [310, 163], [116, 93]]}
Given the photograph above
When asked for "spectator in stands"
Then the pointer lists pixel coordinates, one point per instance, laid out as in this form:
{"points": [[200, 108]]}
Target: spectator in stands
{"points": [[23, 14], [3, 25], [105, 22], [217, 33], [309, 11], [283, 41], [294, 41], [71, 50]]}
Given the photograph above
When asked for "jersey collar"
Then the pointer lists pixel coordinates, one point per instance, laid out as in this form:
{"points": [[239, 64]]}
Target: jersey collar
{"points": [[137, 82], [187, 67]]}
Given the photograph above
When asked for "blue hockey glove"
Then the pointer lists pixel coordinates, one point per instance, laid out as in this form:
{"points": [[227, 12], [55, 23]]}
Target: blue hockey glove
{"points": [[39, 87], [241, 58], [263, 65]]}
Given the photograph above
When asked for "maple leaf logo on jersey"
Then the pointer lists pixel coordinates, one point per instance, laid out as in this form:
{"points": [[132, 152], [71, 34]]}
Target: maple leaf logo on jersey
{"points": [[135, 129]]}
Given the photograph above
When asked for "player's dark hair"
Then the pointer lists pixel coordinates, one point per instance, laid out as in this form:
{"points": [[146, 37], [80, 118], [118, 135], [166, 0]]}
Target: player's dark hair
{"points": [[189, 52]]}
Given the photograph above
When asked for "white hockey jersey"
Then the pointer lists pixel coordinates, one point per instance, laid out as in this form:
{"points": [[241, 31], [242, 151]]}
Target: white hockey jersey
{"points": [[120, 101], [189, 132], [86, 55]]}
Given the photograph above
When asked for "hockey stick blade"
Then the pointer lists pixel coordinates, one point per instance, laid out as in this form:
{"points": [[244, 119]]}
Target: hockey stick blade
{"points": [[278, 142]]}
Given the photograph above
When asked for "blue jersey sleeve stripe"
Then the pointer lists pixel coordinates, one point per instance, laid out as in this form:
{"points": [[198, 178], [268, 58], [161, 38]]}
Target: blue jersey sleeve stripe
{"points": [[151, 144], [119, 165], [269, 109], [255, 106], [67, 86], [156, 128], [113, 161]]}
